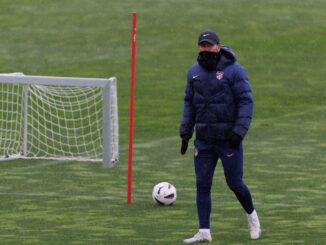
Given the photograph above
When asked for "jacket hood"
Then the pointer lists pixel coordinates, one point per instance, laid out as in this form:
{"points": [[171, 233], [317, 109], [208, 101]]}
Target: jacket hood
{"points": [[228, 57]]}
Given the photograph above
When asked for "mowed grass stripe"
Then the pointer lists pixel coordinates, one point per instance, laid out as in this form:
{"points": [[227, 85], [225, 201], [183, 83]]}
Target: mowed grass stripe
{"points": [[138, 199], [167, 139]]}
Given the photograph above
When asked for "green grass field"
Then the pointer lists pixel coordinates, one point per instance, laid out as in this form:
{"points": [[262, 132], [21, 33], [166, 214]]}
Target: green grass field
{"points": [[281, 44]]}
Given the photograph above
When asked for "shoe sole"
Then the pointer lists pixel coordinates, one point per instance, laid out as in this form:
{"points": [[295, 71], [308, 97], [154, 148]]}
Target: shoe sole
{"points": [[257, 237], [197, 242]]}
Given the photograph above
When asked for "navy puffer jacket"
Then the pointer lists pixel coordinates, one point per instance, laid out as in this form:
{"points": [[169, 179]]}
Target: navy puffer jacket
{"points": [[217, 102]]}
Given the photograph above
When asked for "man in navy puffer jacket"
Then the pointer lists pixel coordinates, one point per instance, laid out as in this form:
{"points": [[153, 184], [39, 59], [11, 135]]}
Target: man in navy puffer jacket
{"points": [[218, 102]]}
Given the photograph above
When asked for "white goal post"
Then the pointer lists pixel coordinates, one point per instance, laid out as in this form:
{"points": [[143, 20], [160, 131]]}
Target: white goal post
{"points": [[65, 118]]}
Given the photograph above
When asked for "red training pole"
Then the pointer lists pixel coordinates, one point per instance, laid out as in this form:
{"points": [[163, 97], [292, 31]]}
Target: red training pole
{"points": [[132, 88]]}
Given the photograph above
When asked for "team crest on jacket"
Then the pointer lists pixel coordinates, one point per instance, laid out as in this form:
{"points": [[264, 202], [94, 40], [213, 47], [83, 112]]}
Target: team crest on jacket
{"points": [[219, 75]]}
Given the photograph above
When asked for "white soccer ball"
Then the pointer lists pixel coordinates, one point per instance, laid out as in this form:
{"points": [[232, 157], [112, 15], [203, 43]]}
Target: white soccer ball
{"points": [[164, 194]]}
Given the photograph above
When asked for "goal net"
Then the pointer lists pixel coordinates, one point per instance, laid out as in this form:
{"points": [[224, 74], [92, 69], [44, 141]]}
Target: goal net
{"points": [[58, 118]]}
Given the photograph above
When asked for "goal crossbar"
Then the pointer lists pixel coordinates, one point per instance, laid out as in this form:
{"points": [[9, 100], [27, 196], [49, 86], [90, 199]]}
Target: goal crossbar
{"points": [[19, 78]]}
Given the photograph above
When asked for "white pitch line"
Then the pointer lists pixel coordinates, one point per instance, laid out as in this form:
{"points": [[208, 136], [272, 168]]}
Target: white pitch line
{"points": [[90, 197], [150, 144], [124, 148], [293, 114]]}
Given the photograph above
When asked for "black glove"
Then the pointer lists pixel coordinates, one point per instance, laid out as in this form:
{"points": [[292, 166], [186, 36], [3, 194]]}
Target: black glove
{"points": [[184, 145], [235, 140]]}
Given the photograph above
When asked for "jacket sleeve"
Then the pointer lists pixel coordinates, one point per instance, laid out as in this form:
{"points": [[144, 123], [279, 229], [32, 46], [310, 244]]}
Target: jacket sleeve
{"points": [[244, 102], [188, 119]]}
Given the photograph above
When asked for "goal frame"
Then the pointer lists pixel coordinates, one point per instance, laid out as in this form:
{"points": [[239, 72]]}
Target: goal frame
{"points": [[105, 84]]}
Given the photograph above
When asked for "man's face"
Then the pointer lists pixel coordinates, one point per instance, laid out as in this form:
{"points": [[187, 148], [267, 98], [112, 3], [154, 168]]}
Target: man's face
{"points": [[206, 46]]}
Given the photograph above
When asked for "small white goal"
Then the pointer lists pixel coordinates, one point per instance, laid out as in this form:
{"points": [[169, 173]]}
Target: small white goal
{"points": [[66, 118]]}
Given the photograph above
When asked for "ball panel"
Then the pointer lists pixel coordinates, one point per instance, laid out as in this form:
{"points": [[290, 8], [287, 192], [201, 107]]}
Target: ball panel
{"points": [[164, 194]]}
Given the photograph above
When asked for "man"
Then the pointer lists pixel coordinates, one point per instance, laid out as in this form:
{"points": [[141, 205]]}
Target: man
{"points": [[218, 101]]}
